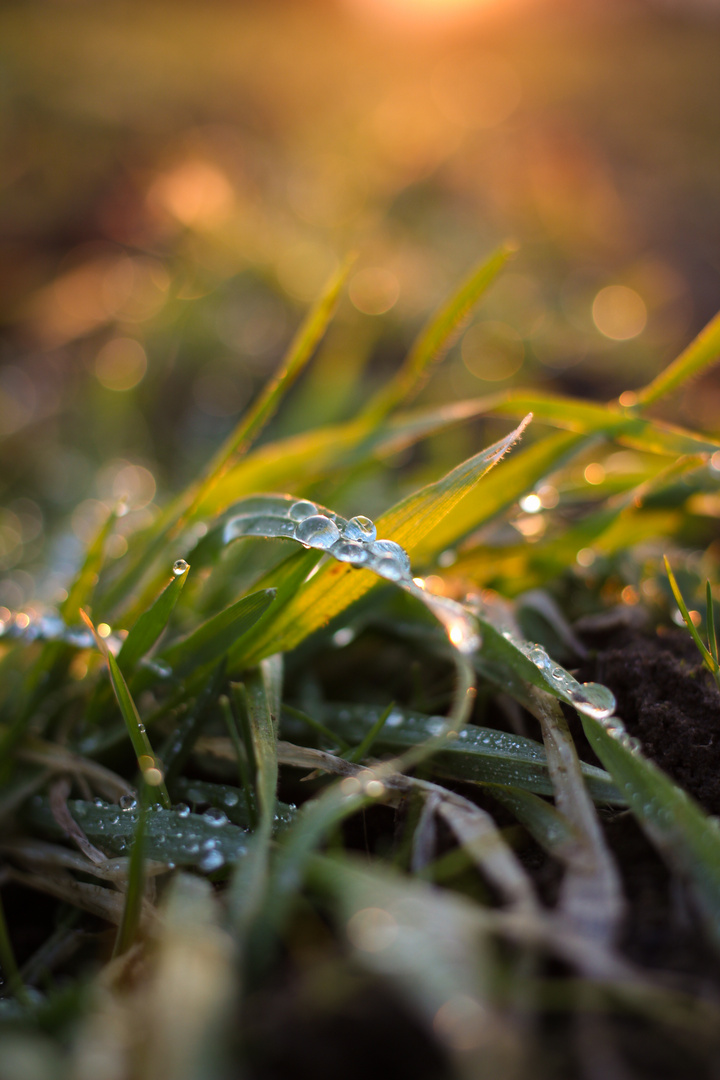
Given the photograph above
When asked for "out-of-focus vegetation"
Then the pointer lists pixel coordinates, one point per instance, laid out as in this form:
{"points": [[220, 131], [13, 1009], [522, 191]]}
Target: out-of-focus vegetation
{"points": [[179, 179]]}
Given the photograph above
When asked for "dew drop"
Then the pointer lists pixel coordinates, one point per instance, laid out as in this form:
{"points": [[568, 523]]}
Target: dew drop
{"points": [[179, 567], [127, 802], [350, 551], [212, 861], [317, 531], [182, 810], [389, 567], [216, 817], [382, 548], [360, 528], [231, 798], [302, 509]]}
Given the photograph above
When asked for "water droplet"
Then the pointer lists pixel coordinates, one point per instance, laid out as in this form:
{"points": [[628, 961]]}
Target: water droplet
{"points": [[99, 803], [395, 719], [212, 861], [350, 551], [216, 817], [387, 566], [302, 509], [382, 548], [182, 810], [558, 673], [127, 802], [360, 528], [317, 531], [231, 798], [179, 567]]}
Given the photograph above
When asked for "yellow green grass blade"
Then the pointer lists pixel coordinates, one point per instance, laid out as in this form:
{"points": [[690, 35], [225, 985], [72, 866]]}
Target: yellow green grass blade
{"points": [[82, 588], [708, 658], [609, 420], [132, 910], [148, 764], [437, 336], [335, 585], [703, 351]]}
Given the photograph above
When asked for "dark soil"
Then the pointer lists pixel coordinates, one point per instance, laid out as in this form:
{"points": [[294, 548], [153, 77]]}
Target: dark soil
{"points": [[669, 700]]}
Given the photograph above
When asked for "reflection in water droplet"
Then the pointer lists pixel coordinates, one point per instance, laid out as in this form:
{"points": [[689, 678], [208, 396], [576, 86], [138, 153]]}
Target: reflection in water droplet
{"points": [[389, 567], [360, 528], [127, 802], [179, 567], [231, 798], [215, 816], [212, 861], [381, 548], [317, 531], [182, 810], [350, 551], [302, 509]]}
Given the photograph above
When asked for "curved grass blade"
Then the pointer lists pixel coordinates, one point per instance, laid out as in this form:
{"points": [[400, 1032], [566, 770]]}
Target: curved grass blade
{"points": [[686, 837], [151, 623], [214, 638], [703, 351], [171, 836], [437, 336], [477, 754], [335, 585], [543, 821], [147, 762]]}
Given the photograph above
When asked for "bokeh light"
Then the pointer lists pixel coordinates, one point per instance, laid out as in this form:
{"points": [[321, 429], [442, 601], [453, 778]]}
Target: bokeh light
{"points": [[492, 351], [121, 364], [619, 312]]}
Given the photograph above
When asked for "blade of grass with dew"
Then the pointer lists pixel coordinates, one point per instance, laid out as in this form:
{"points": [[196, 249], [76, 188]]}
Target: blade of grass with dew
{"points": [[703, 351], [437, 336], [214, 638], [150, 625], [146, 759], [171, 836], [478, 754], [686, 837], [335, 585], [299, 460], [707, 657], [186, 506], [232, 800], [130, 921]]}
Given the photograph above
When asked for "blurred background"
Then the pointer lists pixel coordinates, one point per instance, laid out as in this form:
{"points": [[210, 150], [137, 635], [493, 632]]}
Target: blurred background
{"points": [[178, 180]]}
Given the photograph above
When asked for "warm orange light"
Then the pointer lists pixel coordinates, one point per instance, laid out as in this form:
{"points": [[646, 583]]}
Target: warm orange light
{"points": [[427, 11]]}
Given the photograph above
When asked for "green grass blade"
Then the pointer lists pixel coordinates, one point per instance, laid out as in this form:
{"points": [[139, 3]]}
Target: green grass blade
{"points": [[8, 966], [479, 755], [609, 420], [708, 659], [543, 821], [180, 742], [710, 620], [683, 833], [151, 623], [703, 351], [171, 836], [370, 737], [214, 638], [147, 762], [335, 585], [264, 741], [437, 336], [130, 921]]}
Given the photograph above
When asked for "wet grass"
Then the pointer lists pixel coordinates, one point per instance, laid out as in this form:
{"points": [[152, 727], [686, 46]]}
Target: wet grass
{"points": [[364, 732]]}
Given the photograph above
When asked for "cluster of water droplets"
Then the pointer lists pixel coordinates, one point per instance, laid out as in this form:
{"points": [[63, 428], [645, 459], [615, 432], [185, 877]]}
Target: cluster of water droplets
{"points": [[591, 699], [352, 541]]}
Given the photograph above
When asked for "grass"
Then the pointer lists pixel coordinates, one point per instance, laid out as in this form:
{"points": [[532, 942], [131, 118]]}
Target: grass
{"points": [[271, 654]]}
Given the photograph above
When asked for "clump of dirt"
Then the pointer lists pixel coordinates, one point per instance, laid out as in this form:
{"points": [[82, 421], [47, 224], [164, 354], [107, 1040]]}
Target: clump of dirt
{"points": [[670, 702]]}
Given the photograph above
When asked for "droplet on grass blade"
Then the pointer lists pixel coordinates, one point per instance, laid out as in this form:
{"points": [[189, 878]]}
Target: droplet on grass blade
{"points": [[317, 531], [179, 567], [360, 528], [302, 509]]}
